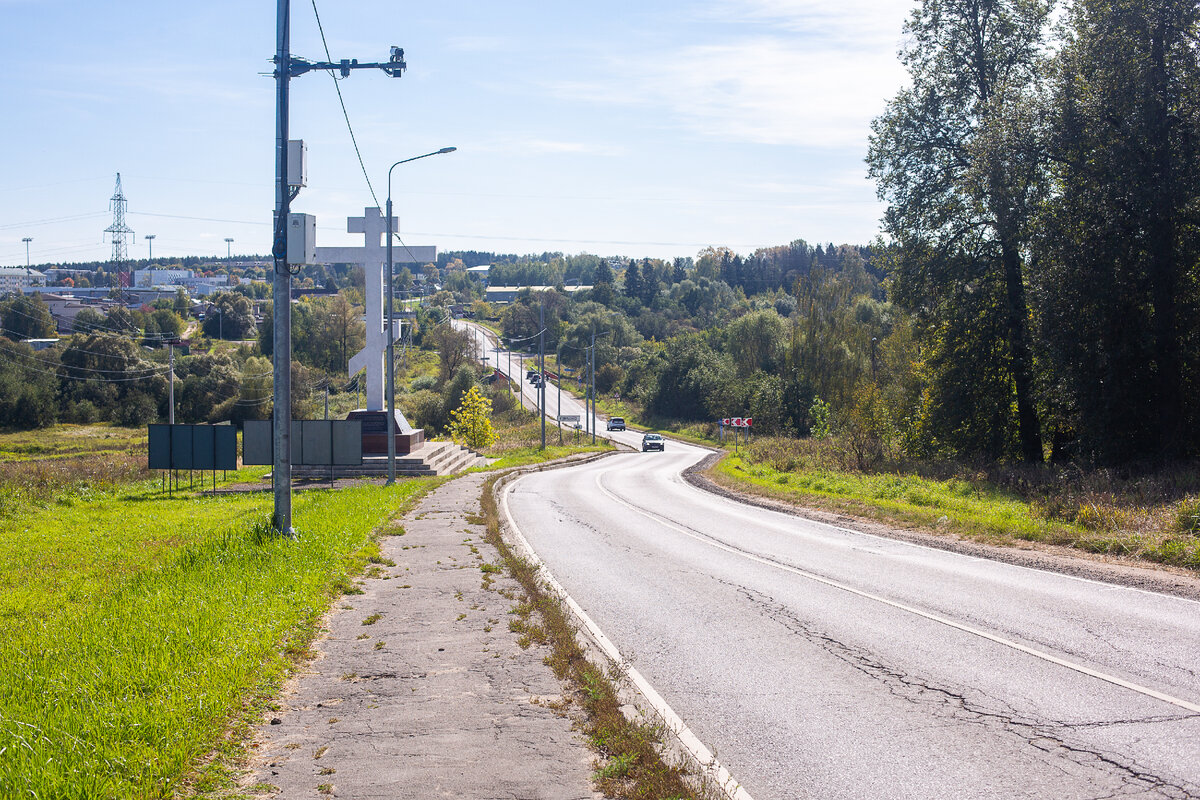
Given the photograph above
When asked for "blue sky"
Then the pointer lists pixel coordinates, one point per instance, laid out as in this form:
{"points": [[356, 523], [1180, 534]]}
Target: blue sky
{"points": [[622, 128]]}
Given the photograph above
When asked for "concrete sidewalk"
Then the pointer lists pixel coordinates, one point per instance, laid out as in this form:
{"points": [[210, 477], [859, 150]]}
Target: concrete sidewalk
{"points": [[420, 688]]}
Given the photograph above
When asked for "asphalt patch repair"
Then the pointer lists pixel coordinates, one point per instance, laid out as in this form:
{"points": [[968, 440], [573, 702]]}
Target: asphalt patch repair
{"points": [[419, 688]]}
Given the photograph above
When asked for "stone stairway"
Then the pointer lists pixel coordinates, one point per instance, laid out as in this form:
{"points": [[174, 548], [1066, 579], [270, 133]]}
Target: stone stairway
{"points": [[431, 458]]}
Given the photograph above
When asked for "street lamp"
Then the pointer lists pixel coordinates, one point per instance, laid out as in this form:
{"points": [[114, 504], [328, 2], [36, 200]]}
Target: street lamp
{"points": [[27, 240], [228, 242], [150, 241], [391, 378]]}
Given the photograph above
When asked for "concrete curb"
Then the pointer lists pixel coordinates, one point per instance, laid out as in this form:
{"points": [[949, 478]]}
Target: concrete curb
{"points": [[642, 702]]}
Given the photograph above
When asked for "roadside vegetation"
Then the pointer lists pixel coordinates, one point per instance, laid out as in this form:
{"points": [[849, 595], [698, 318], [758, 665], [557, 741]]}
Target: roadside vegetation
{"points": [[137, 628], [1147, 514], [631, 764]]}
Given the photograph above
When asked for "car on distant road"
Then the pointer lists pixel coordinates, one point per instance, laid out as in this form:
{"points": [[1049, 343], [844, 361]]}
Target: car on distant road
{"points": [[653, 441], [616, 423]]}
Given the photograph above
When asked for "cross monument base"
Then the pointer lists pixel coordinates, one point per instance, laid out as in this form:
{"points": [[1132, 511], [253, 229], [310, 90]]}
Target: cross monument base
{"points": [[375, 432]]}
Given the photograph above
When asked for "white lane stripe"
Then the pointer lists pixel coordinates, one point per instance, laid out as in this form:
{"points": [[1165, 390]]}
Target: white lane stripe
{"points": [[1148, 692], [723, 777], [918, 546]]}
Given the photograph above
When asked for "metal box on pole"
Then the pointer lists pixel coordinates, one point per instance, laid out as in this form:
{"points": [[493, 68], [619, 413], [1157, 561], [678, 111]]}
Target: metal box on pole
{"points": [[301, 239], [297, 176]]}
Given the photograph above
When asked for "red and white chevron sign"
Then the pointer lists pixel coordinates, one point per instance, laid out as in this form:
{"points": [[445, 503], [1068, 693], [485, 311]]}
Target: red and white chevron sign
{"points": [[741, 422]]}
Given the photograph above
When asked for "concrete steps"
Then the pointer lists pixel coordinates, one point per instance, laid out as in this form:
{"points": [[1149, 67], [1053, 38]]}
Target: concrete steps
{"points": [[431, 458]]}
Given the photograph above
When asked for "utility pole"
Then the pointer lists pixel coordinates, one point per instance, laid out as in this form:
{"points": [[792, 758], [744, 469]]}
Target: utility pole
{"points": [[149, 237], [592, 389], [171, 389], [281, 288], [558, 369], [286, 68], [542, 365], [27, 240]]}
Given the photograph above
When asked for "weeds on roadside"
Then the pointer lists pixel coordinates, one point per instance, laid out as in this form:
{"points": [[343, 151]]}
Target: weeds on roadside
{"points": [[632, 766], [1140, 512]]}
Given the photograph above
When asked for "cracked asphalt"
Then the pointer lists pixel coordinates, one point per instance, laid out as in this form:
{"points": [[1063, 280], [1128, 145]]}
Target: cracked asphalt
{"points": [[818, 661], [419, 688]]}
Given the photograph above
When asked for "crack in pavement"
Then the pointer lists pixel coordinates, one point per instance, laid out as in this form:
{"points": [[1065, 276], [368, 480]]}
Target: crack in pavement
{"points": [[1048, 737]]}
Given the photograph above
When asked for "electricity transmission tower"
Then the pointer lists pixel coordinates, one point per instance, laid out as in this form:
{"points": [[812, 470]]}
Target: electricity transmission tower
{"points": [[118, 229]]}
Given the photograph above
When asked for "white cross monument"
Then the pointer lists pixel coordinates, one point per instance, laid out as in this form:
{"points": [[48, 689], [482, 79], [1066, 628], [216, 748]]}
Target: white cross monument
{"points": [[372, 257]]}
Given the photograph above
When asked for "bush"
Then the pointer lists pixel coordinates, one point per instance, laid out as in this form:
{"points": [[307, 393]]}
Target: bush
{"points": [[502, 397], [424, 410], [422, 382], [83, 412], [1187, 518], [137, 409]]}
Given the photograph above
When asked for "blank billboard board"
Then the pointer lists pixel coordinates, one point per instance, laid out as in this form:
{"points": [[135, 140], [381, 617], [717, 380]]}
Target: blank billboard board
{"points": [[347, 443], [257, 448], [314, 442], [181, 447], [317, 436], [203, 456], [192, 447]]}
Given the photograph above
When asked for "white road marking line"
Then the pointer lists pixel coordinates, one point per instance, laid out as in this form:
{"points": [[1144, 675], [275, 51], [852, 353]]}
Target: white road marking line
{"points": [[1080, 668], [723, 777], [918, 546]]}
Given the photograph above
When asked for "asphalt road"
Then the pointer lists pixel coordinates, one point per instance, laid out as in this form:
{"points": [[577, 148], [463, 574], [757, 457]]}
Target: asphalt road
{"points": [[821, 662]]}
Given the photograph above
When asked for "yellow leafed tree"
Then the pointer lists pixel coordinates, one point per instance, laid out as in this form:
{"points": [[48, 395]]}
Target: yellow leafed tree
{"points": [[471, 422]]}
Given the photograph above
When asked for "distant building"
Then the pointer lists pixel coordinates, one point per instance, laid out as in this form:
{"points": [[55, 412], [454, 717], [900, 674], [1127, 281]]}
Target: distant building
{"points": [[507, 294], [161, 277], [17, 279], [65, 307]]}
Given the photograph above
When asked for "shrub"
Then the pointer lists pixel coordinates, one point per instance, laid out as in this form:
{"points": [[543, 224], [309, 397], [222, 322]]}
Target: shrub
{"points": [[422, 382], [1187, 518]]}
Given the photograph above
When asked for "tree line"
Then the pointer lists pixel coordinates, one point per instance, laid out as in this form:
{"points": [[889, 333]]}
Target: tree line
{"points": [[1044, 212]]}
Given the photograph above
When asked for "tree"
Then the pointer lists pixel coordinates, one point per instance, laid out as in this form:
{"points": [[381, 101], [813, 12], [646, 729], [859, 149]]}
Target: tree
{"points": [[633, 282], [452, 346], [956, 157], [471, 422], [27, 387], [27, 317], [233, 317], [1119, 280]]}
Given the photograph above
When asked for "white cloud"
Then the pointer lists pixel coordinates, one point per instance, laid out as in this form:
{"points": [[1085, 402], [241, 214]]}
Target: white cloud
{"points": [[877, 21], [764, 89]]}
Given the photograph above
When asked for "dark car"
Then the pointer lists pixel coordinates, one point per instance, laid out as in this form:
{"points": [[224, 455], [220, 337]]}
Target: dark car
{"points": [[653, 441], [616, 423]]}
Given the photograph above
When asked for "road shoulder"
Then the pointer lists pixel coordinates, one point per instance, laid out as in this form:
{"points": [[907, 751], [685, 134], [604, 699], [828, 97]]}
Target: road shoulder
{"points": [[1034, 555]]}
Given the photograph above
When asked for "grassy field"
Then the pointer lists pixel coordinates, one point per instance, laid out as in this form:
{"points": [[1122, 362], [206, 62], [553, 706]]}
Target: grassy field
{"points": [[1149, 515], [135, 627]]}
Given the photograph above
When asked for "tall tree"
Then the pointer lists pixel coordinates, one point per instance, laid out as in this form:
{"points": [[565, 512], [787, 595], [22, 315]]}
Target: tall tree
{"points": [[26, 317], [1119, 276], [955, 157]]}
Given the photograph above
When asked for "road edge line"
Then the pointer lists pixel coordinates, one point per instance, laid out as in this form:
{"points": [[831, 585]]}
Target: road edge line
{"points": [[708, 764]]}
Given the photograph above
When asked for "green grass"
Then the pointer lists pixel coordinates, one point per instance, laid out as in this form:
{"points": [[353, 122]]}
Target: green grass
{"points": [[134, 627], [967, 508], [70, 441], [1161, 531]]}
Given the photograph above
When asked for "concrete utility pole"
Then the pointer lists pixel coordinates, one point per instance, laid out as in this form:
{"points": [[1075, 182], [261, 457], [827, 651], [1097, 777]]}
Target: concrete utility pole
{"points": [[592, 388], [542, 366], [171, 389], [286, 68], [558, 369], [27, 240]]}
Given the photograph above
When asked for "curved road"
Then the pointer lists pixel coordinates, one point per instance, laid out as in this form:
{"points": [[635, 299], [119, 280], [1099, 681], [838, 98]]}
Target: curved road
{"points": [[822, 662]]}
